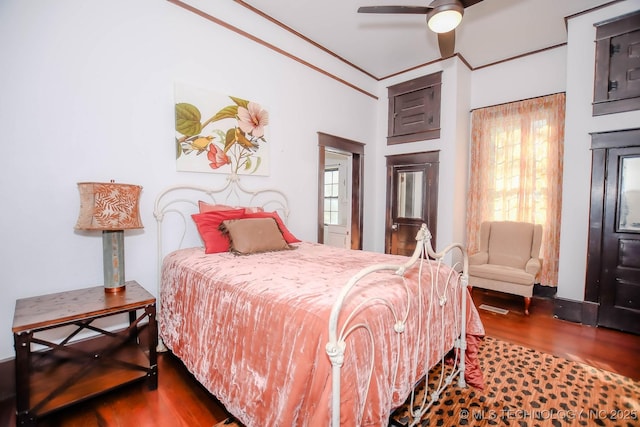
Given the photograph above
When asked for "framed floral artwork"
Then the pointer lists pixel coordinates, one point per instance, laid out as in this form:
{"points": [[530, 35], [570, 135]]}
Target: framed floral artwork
{"points": [[220, 133]]}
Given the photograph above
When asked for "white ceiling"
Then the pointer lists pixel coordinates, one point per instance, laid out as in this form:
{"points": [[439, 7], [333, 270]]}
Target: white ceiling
{"points": [[384, 44]]}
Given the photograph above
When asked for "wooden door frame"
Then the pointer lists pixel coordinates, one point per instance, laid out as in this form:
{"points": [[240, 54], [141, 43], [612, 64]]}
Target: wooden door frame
{"points": [[601, 143], [356, 149], [420, 158]]}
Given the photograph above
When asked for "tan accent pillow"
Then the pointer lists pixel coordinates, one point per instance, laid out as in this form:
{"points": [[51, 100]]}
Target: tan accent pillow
{"points": [[253, 235]]}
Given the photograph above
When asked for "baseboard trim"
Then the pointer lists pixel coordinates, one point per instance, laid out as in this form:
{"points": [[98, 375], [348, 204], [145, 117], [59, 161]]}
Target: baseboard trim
{"points": [[8, 375], [566, 309], [584, 312], [590, 313]]}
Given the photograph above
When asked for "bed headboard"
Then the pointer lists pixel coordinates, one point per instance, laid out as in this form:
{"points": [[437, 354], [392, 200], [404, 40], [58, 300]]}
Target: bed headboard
{"points": [[174, 206]]}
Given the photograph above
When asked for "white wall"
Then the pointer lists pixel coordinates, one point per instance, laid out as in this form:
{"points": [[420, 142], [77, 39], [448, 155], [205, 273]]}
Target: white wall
{"points": [[534, 75], [568, 68], [452, 144], [87, 94], [577, 160]]}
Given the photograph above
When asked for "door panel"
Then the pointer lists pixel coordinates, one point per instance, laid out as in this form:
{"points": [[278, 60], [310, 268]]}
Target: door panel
{"points": [[625, 66], [337, 235], [620, 273], [403, 238], [412, 198]]}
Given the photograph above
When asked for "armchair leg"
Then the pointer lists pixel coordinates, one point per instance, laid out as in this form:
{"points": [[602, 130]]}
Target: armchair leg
{"points": [[527, 303]]}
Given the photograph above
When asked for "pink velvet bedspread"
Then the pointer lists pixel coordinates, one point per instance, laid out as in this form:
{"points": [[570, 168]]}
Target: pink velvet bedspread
{"points": [[253, 330]]}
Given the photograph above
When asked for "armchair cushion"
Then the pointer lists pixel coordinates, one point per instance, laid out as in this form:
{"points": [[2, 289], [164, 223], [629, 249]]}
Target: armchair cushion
{"points": [[510, 243], [502, 273]]}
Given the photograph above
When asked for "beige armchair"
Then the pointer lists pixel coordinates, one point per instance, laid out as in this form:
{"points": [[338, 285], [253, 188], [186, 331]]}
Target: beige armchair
{"points": [[508, 260]]}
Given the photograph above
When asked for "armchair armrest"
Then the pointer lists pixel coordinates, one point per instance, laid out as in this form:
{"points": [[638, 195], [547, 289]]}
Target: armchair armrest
{"points": [[533, 266], [479, 258]]}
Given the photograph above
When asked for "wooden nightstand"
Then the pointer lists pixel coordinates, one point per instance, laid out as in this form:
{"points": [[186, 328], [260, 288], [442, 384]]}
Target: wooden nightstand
{"points": [[61, 374]]}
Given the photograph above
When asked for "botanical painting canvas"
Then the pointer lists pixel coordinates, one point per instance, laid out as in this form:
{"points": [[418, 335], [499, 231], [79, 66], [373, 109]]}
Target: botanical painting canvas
{"points": [[220, 133]]}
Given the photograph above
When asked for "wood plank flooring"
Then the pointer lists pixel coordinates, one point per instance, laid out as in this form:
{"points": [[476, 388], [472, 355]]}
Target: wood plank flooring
{"points": [[600, 347], [181, 401]]}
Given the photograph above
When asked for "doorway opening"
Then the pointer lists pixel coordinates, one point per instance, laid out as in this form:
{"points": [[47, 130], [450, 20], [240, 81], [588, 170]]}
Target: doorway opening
{"points": [[337, 198], [340, 191]]}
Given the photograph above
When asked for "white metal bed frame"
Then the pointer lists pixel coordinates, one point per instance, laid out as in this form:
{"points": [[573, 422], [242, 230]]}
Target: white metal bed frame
{"points": [[172, 201], [338, 333]]}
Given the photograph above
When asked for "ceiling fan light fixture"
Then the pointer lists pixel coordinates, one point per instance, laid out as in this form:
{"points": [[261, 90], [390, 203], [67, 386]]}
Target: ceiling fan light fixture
{"points": [[445, 17]]}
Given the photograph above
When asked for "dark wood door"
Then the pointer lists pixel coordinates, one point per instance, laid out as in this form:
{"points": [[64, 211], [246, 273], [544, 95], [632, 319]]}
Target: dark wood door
{"points": [[620, 273], [412, 199]]}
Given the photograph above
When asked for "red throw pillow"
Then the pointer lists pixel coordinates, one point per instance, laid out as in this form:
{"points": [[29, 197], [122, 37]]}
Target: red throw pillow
{"points": [[288, 237], [208, 223], [208, 207]]}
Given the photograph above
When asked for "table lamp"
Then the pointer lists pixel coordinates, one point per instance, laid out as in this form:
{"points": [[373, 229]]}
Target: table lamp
{"points": [[112, 208]]}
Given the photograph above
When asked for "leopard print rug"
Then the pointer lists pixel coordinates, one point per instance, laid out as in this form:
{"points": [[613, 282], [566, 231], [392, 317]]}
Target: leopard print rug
{"points": [[524, 387]]}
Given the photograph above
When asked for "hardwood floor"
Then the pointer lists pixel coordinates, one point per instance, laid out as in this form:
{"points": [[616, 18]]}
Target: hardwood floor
{"points": [[600, 347], [181, 401], [178, 401]]}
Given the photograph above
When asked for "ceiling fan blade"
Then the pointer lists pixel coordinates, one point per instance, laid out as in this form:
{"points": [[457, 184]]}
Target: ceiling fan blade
{"points": [[467, 3], [447, 43], [395, 9]]}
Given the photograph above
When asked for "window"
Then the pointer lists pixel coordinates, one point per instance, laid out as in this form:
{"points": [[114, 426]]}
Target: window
{"points": [[516, 171], [512, 158], [332, 196]]}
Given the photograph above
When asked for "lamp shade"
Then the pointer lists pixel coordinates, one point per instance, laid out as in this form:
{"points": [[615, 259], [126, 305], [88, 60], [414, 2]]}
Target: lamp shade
{"points": [[108, 206], [111, 208], [445, 16]]}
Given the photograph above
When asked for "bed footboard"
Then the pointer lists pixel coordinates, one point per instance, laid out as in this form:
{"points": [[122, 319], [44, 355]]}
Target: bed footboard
{"points": [[343, 322]]}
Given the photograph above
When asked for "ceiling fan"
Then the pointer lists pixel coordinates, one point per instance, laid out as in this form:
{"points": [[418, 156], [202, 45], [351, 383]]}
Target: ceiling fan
{"points": [[443, 16]]}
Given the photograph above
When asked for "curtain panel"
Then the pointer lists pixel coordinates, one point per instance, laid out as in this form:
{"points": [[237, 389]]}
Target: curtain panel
{"points": [[516, 171]]}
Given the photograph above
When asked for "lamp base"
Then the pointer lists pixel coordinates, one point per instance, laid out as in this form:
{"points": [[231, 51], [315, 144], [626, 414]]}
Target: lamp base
{"points": [[114, 290], [113, 260]]}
